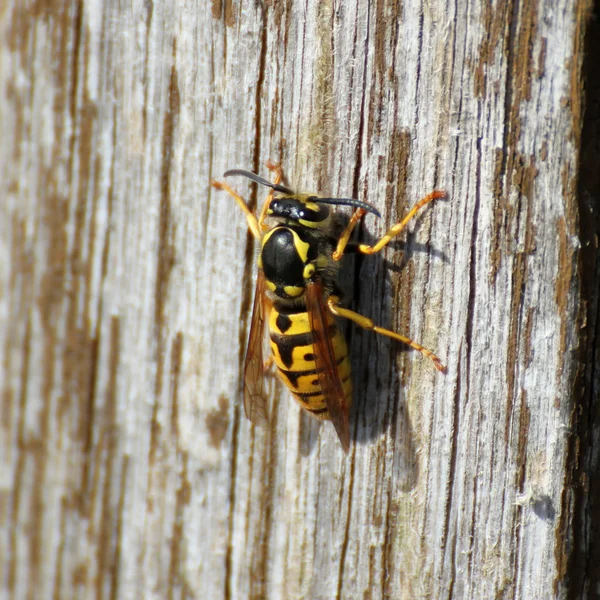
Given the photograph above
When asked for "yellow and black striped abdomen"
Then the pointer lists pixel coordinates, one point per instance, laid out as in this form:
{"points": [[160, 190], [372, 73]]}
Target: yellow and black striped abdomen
{"points": [[293, 353]]}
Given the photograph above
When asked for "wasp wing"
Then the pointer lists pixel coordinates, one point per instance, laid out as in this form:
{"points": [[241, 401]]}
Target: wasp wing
{"points": [[255, 401], [329, 379]]}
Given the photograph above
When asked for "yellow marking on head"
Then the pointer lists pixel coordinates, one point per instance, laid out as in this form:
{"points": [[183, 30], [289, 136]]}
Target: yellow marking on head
{"points": [[310, 224], [324, 224]]}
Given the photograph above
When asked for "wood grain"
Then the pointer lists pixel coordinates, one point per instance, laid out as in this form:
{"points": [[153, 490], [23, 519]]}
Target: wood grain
{"points": [[128, 468]]}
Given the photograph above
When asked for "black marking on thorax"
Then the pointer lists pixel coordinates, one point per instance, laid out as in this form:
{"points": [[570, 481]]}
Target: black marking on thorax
{"points": [[282, 261]]}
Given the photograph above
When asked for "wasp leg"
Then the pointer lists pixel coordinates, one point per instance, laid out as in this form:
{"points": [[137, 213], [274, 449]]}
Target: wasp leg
{"points": [[366, 323], [359, 213], [391, 233], [276, 168], [252, 222], [398, 227]]}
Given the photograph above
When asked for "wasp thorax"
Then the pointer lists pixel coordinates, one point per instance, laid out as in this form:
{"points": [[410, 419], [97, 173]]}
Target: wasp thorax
{"points": [[286, 259], [307, 213]]}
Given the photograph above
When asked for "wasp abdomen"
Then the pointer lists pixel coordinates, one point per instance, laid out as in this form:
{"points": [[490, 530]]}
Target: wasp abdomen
{"points": [[293, 352]]}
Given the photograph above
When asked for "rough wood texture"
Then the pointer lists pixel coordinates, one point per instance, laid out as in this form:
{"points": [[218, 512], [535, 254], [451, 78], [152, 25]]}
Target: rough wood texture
{"points": [[127, 467]]}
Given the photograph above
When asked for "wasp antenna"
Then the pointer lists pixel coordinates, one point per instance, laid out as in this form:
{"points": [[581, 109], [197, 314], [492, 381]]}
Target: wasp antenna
{"points": [[258, 179], [350, 202]]}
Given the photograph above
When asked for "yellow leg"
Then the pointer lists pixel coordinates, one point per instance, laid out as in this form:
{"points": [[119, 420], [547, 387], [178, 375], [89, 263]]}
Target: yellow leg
{"points": [[366, 323], [391, 233], [398, 227], [257, 226], [276, 168], [359, 213], [252, 222]]}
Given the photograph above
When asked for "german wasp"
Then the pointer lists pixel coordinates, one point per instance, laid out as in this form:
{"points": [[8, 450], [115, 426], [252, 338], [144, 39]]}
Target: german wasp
{"points": [[297, 295]]}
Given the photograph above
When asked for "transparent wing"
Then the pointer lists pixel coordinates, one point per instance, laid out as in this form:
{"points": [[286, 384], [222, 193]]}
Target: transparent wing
{"points": [[255, 402], [329, 379]]}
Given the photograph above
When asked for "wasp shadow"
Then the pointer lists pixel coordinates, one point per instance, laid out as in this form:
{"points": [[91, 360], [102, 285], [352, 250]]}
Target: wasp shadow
{"points": [[379, 400], [379, 405]]}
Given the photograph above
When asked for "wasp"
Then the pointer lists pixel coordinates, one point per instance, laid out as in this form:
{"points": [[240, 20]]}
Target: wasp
{"points": [[301, 244]]}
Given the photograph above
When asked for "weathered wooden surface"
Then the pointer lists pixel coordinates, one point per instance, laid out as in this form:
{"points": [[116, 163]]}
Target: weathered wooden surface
{"points": [[128, 468]]}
